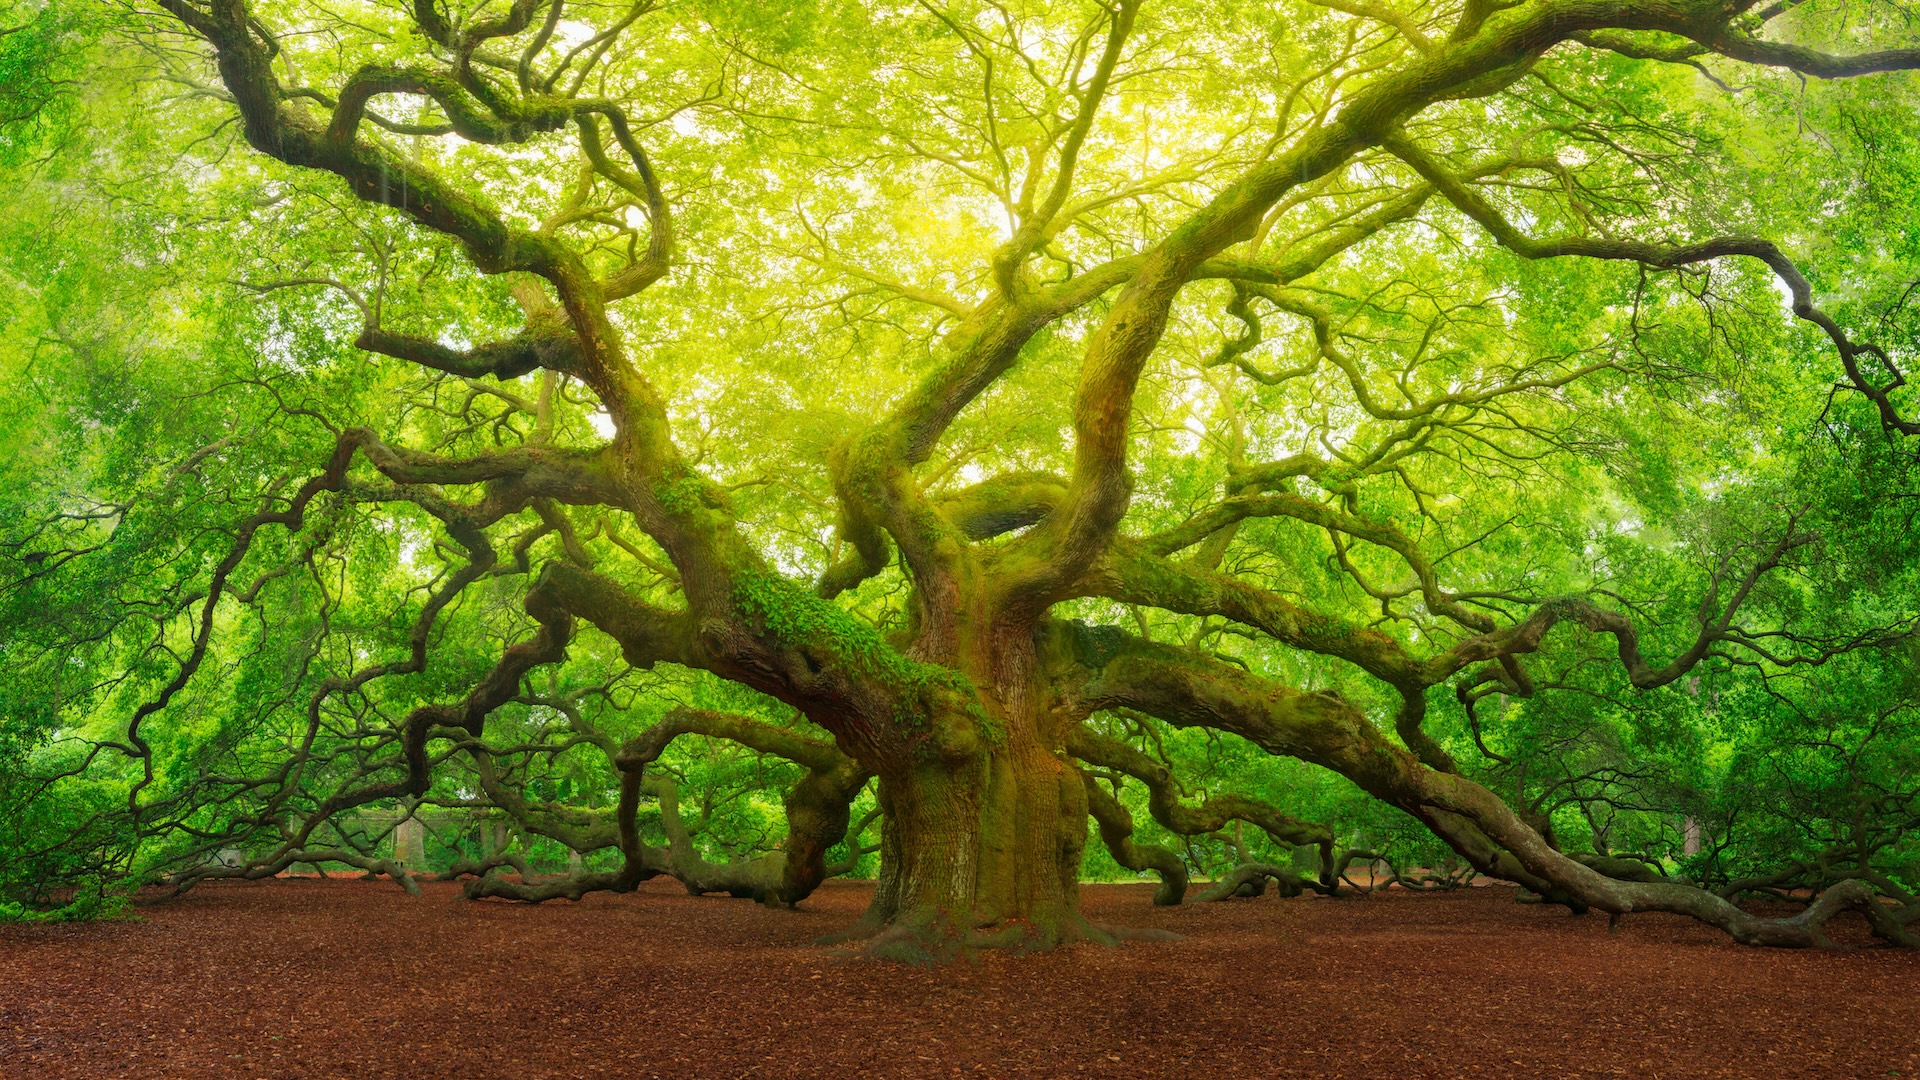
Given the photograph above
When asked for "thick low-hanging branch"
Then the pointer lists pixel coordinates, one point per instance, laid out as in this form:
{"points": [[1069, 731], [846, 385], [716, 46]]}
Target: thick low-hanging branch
{"points": [[1187, 690], [1209, 817]]}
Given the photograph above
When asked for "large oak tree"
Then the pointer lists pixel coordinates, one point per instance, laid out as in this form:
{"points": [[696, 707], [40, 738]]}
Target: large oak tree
{"points": [[1001, 388]]}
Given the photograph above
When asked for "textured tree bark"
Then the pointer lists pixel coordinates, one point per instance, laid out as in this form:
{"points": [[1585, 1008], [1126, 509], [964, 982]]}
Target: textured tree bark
{"points": [[986, 819], [983, 852]]}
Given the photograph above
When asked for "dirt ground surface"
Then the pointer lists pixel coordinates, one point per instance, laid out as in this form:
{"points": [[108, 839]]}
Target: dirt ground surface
{"points": [[347, 978]]}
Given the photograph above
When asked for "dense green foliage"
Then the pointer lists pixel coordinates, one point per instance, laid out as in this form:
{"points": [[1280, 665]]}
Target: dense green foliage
{"points": [[1476, 432]]}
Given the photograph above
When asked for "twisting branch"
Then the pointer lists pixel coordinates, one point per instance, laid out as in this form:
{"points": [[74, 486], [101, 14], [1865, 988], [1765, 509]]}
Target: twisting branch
{"points": [[1116, 831], [1663, 256], [1188, 690], [1213, 813], [817, 807]]}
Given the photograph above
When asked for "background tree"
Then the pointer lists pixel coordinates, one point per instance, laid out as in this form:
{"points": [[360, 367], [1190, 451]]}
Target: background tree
{"points": [[1000, 408]]}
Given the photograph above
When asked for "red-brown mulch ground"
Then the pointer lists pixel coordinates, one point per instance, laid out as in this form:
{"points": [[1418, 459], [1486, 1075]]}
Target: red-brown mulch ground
{"points": [[316, 978]]}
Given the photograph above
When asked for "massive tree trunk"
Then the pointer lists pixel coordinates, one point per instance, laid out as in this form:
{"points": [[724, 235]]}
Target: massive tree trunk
{"points": [[982, 847], [984, 853]]}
